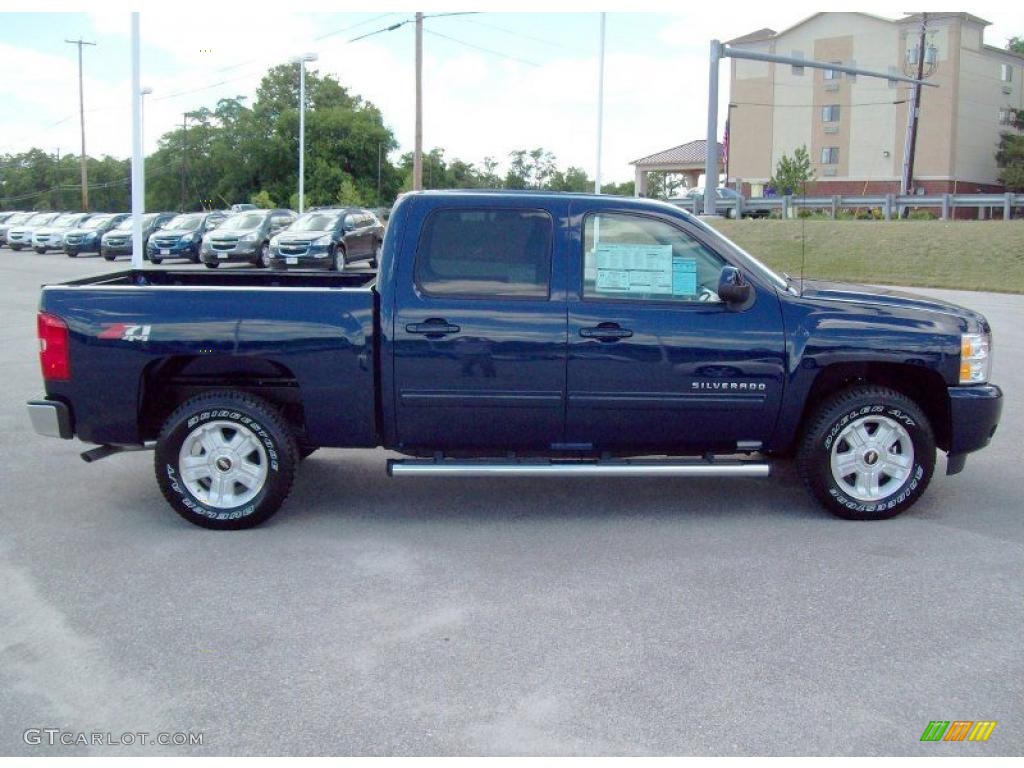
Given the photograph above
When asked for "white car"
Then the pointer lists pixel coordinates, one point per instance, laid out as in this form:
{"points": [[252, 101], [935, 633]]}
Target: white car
{"points": [[51, 236], [20, 236]]}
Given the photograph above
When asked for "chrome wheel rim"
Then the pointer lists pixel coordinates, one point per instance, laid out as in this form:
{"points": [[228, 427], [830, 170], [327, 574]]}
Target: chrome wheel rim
{"points": [[377, 253], [265, 255], [223, 464], [872, 457], [339, 260]]}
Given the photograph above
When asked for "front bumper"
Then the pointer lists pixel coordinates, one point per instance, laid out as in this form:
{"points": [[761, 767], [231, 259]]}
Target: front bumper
{"points": [[117, 250], [51, 418], [83, 245], [974, 413], [240, 252], [313, 256], [176, 251]]}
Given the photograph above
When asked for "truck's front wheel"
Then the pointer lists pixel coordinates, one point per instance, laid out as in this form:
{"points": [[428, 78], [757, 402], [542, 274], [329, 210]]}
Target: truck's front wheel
{"points": [[225, 460], [868, 453]]}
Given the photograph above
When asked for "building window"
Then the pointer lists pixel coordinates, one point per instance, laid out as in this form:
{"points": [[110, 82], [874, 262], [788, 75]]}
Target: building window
{"points": [[1007, 73], [830, 113], [1006, 117], [829, 155], [833, 74]]}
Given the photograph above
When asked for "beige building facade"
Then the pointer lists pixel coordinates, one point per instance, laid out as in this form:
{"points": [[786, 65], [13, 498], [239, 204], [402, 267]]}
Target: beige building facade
{"points": [[854, 127]]}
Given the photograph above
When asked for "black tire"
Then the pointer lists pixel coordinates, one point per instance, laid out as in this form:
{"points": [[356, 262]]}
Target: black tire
{"points": [[107, 257], [156, 259], [252, 414], [338, 263], [211, 264], [40, 251], [15, 247], [867, 404], [72, 254]]}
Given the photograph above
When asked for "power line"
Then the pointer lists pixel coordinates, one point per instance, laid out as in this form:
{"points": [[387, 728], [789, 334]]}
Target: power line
{"points": [[353, 26], [515, 33], [481, 48]]}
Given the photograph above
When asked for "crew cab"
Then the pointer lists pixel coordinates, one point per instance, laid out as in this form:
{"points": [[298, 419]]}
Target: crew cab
{"points": [[521, 334], [328, 238]]}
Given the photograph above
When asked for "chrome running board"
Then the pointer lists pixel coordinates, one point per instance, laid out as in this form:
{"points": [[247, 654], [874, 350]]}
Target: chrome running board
{"points": [[576, 468]]}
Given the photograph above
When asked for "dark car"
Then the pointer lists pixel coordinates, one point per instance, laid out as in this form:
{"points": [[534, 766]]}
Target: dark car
{"points": [[521, 335], [329, 238], [86, 238], [245, 236], [118, 241], [182, 236], [726, 203]]}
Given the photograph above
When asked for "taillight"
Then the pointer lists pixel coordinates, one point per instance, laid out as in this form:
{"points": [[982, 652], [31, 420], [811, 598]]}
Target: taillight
{"points": [[53, 347]]}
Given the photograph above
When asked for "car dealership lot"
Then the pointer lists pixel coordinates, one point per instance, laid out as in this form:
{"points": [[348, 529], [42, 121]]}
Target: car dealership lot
{"points": [[377, 616]]}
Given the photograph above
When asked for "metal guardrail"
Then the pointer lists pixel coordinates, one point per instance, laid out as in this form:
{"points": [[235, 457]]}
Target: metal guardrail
{"points": [[890, 204]]}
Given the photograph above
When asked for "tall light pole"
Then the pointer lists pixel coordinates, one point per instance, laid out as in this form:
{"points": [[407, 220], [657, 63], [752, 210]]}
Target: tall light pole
{"points": [[142, 124], [600, 108], [417, 154], [301, 61], [138, 192], [81, 119]]}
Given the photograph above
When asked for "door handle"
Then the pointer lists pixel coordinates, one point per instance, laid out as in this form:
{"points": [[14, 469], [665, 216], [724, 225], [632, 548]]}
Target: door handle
{"points": [[606, 332], [435, 327]]}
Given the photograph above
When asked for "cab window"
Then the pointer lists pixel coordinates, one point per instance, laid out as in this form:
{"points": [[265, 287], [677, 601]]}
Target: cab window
{"points": [[638, 258]]}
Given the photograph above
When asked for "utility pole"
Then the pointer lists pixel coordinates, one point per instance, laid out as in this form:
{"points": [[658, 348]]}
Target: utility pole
{"points": [[184, 157], [907, 182], [301, 61], [57, 178], [378, 171], [81, 119], [417, 157], [600, 108]]}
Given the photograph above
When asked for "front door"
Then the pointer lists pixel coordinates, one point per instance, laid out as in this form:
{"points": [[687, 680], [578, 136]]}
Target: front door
{"points": [[656, 361], [480, 328]]}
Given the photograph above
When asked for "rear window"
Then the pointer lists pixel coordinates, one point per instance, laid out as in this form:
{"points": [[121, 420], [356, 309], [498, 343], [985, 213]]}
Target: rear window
{"points": [[481, 253]]}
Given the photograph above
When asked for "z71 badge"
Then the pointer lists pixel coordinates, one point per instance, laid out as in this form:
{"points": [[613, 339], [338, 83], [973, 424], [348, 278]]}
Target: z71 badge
{"points": [[126, 332]]}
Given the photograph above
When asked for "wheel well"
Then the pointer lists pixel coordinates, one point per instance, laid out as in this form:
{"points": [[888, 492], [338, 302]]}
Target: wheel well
{"points": [[170, 381], [925, 387]]}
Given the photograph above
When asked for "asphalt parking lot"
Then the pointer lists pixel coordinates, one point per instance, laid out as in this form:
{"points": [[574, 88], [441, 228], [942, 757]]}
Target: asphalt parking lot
{"points": [[414, 617]]}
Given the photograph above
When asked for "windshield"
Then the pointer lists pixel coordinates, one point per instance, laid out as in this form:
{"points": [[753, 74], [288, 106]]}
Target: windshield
{"points": [[187, 221], [42, 218], [96, 222], [66, 220], [19, 218], [315, 222], [243, 221], [147, 218]]}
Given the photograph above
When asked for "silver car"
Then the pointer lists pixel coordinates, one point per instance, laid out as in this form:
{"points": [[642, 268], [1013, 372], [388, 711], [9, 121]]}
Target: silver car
{"points": [[20, 236], [51, 236]]}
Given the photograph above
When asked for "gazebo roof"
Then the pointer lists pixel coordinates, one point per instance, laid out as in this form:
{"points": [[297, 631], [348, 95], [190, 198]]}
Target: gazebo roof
{"points": [[691, 155]]}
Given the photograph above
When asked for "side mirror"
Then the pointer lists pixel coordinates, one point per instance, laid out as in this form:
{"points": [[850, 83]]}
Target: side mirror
{"points": [[731, 288]]}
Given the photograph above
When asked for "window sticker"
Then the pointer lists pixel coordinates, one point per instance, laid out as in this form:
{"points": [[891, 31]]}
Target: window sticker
{"points": [[634, 268], [684, 277]]}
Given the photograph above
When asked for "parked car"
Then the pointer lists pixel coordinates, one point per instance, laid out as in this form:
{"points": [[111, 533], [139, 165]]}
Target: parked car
{"points": [[18, 217], [532, 334], [86, 238], [245, 237], [182, 236], [329, 238], [20, 235], [239, 207], [118, 241], [51, 236], [725, 204]]}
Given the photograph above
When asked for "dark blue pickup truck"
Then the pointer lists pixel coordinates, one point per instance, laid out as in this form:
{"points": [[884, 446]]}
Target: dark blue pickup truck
{"points": [[525, 335]]}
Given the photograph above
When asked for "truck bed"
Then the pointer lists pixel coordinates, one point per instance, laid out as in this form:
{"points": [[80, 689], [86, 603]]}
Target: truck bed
{"points": [[136, 335]]}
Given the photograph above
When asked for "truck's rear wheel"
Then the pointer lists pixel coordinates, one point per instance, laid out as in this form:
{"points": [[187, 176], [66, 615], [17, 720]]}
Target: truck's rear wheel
{"points": [[868, 453], [225, 460]]}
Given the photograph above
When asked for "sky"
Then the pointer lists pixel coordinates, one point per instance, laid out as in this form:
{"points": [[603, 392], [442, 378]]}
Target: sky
{"points": [[494, 81]]}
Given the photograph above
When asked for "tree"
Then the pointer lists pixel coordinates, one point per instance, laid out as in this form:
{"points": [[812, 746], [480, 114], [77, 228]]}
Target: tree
{"points": [[792, 173], [262, 199], [1010, 155], [1016, 45]]}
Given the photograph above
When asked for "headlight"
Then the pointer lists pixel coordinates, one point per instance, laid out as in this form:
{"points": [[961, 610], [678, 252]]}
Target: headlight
{"points": [[188, 238], [975, 358], [325, 240], [248, 238], [274, 241]]}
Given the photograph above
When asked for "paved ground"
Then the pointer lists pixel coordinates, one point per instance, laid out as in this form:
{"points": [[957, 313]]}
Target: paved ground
{"points": [[377, 616]]}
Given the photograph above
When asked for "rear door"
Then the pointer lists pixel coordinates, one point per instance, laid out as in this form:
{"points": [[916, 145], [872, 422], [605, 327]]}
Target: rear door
{"points": [[656, 361], [480, 326]]}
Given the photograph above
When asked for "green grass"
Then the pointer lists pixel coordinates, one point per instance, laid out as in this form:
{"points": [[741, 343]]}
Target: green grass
{"points": [[969, 255]]}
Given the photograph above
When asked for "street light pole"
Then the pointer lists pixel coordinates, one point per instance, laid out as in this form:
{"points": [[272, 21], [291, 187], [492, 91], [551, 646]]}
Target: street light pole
{"points": [[600, 108], [142, 124], [301, 61], [417, 154], [138, 192]]}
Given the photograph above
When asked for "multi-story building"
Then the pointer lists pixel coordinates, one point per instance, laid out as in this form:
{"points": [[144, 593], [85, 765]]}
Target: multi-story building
{"points": [[854, 127]]}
